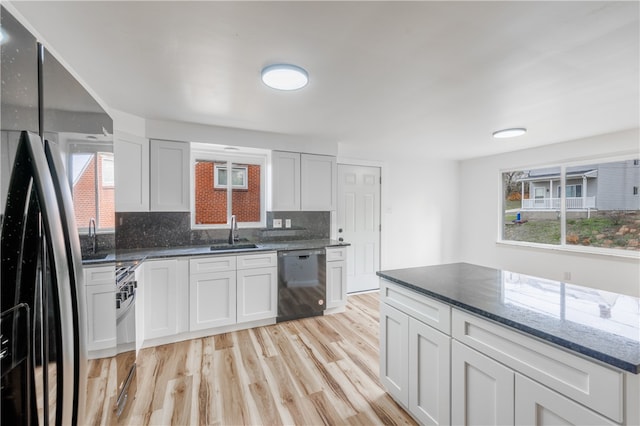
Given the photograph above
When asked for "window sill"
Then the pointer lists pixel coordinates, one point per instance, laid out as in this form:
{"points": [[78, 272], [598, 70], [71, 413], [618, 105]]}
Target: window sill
{"points": [[622, 254]]}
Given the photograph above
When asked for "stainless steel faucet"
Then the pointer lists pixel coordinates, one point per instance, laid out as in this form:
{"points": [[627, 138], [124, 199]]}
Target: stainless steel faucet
{"points": [[233, 231], [92, 234]]}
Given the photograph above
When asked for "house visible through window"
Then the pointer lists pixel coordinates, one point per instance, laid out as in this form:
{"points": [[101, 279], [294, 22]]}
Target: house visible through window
{"points": [[218, 194], [598, 208]]}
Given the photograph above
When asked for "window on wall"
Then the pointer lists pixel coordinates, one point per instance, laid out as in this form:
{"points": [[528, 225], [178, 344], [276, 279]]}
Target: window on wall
{"points": [[238, 176], [91, 178], [218, 194], [593, 205]]}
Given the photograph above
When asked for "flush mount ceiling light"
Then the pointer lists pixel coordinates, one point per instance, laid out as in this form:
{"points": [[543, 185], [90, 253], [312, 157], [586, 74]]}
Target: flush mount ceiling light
{"points": [[509, 133], [285, 77]]}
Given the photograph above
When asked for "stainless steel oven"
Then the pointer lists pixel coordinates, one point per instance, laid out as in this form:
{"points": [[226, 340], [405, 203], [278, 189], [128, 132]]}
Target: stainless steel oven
{"points": [[301, 283], [126, 292]]}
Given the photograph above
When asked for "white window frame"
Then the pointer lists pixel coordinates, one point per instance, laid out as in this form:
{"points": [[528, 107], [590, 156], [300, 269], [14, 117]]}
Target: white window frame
{"points": [[217, 153], [566, 189], [108, 179], [563, 246]]}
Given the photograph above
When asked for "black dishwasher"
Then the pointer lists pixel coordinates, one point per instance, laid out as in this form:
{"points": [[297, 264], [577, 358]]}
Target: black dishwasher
{"points": [[301, 283]]}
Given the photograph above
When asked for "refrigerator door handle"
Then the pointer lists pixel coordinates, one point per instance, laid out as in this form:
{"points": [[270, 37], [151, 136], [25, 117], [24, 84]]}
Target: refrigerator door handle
{"points": [[76, 282], [67, 407]]}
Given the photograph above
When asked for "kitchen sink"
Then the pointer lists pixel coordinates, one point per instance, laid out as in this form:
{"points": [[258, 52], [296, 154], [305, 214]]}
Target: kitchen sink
{"points": [[230, 247], [95, 256]]}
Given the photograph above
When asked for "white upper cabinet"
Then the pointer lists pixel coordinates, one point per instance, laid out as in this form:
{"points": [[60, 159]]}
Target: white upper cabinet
{"points": [[285, 181], [169, 176], [318, 182], [303, 182], [131, 172]]}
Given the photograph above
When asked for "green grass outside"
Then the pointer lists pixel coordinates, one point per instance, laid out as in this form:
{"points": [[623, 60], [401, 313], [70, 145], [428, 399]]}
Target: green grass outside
{"points": [[510, 205], [540, 231], [597, 231]]}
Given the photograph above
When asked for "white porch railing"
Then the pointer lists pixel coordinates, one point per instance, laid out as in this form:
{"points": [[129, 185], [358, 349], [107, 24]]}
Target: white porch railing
{"points": [[572, 203]]}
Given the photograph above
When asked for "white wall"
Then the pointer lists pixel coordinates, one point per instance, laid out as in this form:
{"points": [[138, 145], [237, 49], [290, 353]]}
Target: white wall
{"points": [[479, 200], [419, 213]]}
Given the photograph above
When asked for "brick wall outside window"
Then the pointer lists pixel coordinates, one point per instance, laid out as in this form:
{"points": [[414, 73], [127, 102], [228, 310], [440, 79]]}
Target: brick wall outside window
{"points": [[84, 198], [211, 203]]}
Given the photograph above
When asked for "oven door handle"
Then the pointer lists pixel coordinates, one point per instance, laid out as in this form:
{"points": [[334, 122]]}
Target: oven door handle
{"points": [[123, 311]]}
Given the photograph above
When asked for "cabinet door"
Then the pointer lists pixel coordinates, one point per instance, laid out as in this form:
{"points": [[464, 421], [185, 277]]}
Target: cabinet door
{"points": [[212, 300], [169, 176], [101, 316], [336, 283], [285, 181], [318, 182], [538, 405], [257, 294], [482, 390], [160, 298], [394, 347], [429, 383], [131, 172]]}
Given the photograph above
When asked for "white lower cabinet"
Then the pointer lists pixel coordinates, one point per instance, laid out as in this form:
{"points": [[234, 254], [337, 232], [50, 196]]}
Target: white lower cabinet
{"points": [[165, 287], [257, 293], [481, 389], [414, 365], [228, 290], [394, 346], [538, 405], [336, 277], [212, 300], [100, 308], [429, 383]]}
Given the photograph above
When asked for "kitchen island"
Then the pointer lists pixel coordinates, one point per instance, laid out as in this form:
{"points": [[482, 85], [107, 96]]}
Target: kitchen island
{"points": [[466, 344]]}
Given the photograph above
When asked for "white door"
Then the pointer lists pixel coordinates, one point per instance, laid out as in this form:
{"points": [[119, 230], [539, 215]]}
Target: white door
{"points": [[358, 220]]}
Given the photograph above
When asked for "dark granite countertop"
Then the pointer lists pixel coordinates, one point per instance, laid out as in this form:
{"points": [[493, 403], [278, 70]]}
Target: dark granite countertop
{"points": [[159, 253], [99, 259], [596, 323]]}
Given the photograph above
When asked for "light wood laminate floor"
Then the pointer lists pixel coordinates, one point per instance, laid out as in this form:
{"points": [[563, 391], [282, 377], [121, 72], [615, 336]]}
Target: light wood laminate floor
{"points": [[315, 371]]}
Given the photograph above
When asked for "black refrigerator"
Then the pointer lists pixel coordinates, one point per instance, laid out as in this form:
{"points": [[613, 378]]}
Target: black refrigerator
{"points": [[43, 350]]}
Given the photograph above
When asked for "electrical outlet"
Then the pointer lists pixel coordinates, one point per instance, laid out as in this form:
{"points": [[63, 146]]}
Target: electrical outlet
{"points": [[277, 223], [287, 223]]}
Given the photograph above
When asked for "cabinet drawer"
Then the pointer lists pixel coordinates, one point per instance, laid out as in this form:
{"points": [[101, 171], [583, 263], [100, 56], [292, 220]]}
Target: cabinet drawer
{"points": [[258, 260], [202, 265], [97, 275], [334, 254], [423, 308], [596, 386]]}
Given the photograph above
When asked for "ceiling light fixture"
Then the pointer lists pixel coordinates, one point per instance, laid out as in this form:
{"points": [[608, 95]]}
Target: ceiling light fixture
{"points": [[509, 133], [285, 77]]}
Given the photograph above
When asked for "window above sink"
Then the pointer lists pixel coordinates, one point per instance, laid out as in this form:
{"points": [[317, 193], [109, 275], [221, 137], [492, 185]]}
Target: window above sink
{"points": [[216, 194]]}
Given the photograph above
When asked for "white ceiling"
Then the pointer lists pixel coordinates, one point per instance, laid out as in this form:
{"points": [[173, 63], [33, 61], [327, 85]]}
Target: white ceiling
{"points": [[433, 78]]}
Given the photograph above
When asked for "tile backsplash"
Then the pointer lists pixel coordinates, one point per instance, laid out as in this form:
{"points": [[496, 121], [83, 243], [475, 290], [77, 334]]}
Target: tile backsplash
{"points": [[173, 229]]}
